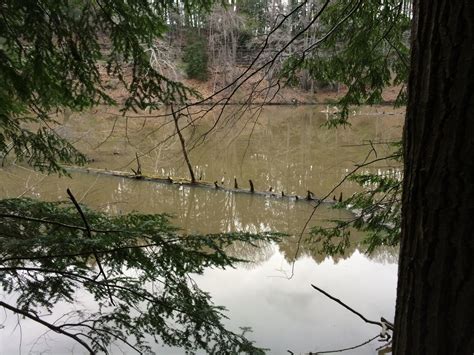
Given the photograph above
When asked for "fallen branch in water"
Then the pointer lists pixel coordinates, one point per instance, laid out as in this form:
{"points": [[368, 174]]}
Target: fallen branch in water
{"points": [[201, 184]]}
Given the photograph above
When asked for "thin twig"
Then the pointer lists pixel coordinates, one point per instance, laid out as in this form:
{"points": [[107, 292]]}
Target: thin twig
{"points": [[349, 348]]}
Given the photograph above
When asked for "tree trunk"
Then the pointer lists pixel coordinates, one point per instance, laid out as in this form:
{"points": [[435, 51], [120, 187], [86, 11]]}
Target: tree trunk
{"points": [[435, 296]]}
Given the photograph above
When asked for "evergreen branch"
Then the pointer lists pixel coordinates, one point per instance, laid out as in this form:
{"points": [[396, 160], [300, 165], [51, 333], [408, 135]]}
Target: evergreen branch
{"points": [[102, 330], [47, 325], [108, 251], [89, 234], [64, 225], [145, 296]]}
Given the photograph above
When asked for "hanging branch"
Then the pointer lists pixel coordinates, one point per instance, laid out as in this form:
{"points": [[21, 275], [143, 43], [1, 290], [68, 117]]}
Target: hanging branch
{"points": [[53, 327], [89, 234], [383, 324], [183, 145]]}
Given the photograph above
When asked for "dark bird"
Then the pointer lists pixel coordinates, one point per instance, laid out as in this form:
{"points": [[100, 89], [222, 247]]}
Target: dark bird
{"points": [[340, 197], [309, 196], [215, 185], [252, 190], [170, 180], [236, 186], [282, 194], [270, 189], [334, 198]]}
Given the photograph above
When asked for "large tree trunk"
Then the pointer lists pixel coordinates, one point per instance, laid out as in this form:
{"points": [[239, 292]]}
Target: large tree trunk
{"points": [[435, 300]]}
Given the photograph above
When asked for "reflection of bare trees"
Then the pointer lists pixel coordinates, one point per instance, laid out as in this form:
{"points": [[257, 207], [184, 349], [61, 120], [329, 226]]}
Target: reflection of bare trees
{"points": [[287, 151], [385, 255], [198, 210], [255, 253]]}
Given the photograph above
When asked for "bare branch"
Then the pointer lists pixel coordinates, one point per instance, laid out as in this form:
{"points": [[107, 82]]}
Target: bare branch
{"points": [[349, 348], [183, 145], [346, 306]]}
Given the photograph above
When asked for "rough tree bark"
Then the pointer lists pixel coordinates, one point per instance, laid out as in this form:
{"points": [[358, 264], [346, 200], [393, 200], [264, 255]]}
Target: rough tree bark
{"points": [[435, 297]]}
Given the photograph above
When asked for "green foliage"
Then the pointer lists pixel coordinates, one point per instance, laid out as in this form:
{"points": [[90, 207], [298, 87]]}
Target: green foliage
{"points": [[362, 45], [195, 57], [53, 55], [47, 254]]}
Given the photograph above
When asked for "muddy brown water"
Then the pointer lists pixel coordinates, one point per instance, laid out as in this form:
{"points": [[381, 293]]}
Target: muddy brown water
{"points": [[288, 150]]}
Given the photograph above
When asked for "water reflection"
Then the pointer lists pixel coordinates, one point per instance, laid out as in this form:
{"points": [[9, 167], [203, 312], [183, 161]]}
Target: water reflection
{"points": [[288, 151], [195, 210]]}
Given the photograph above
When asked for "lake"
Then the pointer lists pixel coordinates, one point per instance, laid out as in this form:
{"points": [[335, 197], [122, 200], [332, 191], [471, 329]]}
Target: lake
{"points": [[282, 148]]}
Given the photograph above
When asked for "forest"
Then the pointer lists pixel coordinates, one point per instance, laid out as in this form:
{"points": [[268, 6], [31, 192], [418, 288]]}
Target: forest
{"points": [[236, 177]]}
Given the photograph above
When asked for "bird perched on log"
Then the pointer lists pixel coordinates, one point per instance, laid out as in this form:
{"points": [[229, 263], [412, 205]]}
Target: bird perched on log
{"points": [[252, 190], [216, 185], [309, 196], [340, 197], [236, 186], [270, 189]]}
